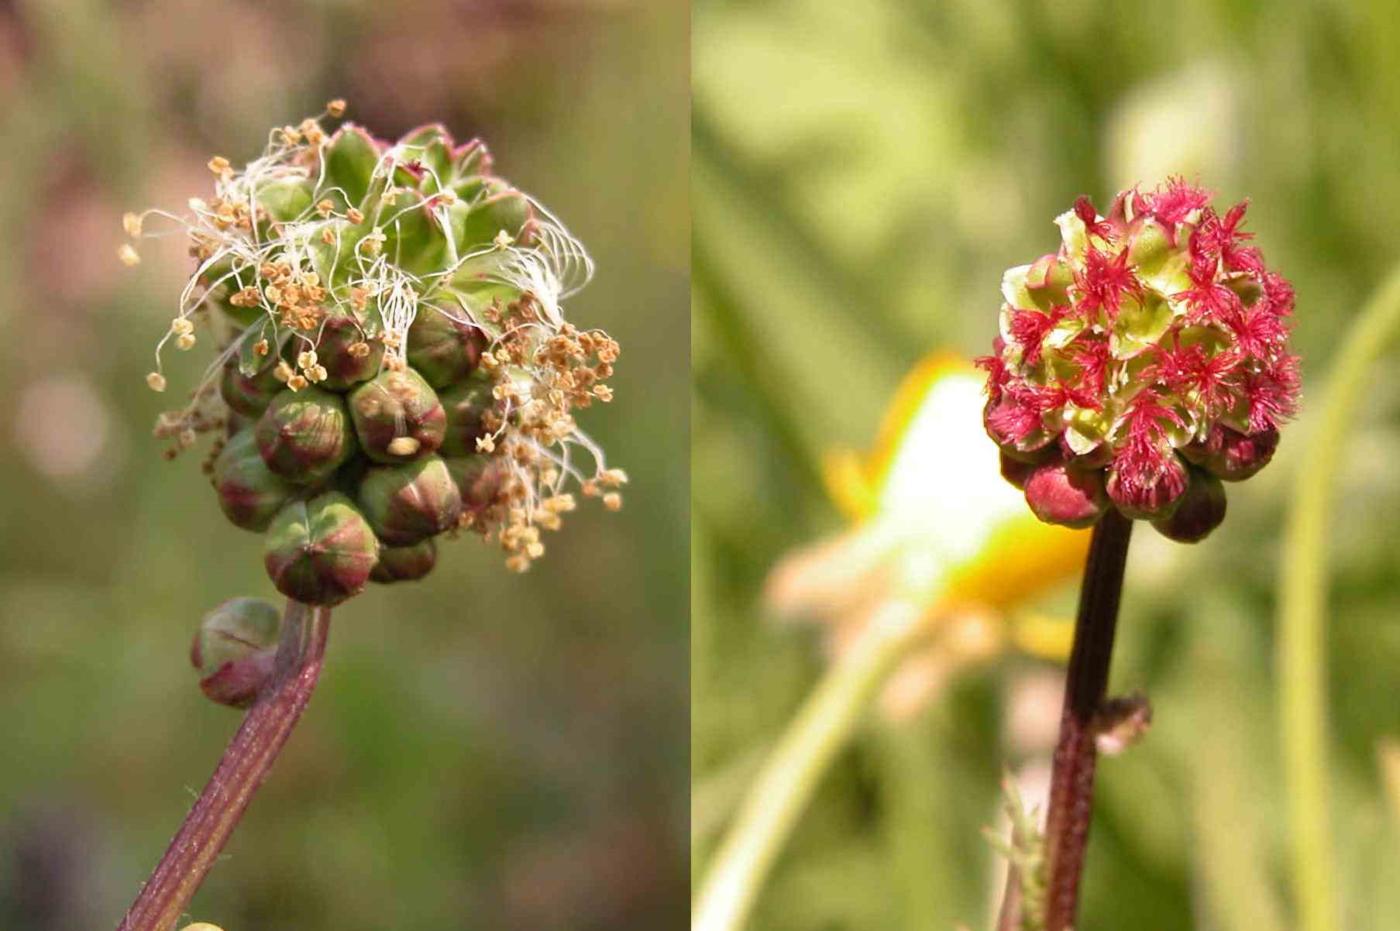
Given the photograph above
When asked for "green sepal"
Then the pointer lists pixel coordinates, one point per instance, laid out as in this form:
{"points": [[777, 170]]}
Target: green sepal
{"points": [[1157, 261], [508, 210], [1140, 324], [249, 362], [285, 199], [350, 159], [413, 240], [430, 145], [472, 158]]}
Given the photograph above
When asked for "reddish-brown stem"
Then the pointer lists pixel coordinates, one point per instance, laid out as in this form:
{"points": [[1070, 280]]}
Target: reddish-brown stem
{"points": [[245, 764], [1072, 780]]}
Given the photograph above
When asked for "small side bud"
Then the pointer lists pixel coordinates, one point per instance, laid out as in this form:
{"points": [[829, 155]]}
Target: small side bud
{"points": [[1121, 722], [305, 435], [1201, 510], [405, 563], [397, 404], [1060, 494], [408, 503], [235, 649], [443, 349], [320, 551]]}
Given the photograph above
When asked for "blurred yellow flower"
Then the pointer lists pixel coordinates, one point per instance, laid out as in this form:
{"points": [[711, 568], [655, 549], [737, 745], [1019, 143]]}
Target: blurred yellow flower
{"points": [[937, 527]]}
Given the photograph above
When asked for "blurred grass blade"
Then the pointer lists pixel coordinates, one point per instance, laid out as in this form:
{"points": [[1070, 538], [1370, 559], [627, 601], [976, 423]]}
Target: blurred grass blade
{"points": [[791, 775], [1301, 659]]}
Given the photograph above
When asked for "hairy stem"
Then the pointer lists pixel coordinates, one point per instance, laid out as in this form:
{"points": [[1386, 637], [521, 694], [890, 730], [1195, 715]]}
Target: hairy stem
{"points": [[796, 766], [1072, 780], [245, 764], [1302, 655]]}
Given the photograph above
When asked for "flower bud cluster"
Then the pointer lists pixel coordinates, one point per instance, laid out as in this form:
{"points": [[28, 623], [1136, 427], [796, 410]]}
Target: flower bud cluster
{"points": [[393, 361], [1142, 363]]}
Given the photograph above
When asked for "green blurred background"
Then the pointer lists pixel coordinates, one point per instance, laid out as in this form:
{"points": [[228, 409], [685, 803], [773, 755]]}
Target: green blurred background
{"points": [[487, 750], [863, 173]]}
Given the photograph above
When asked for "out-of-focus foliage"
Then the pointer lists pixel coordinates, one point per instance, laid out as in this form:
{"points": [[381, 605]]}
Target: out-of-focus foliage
{"points": [[487, 750], [863, 173]]}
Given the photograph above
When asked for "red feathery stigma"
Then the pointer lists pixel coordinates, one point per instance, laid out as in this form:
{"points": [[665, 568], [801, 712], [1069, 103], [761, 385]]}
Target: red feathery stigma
{"points": [[1103, 283], [1194, 374], [1258, 331], [1016, 416], [1278, 292], [1091, 355], [1030, 327], [1222, 237], [1174, 204], [1084, 209], [996, 374], [1209, 302], [1272, 393]]}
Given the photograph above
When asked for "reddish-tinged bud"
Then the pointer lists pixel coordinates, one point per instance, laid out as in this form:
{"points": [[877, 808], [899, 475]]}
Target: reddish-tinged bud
{"points": [[1200, 510], [405, 563], [249, 395], [464, 406], [1061, 494], [347, 353], [305, 435], [478, 480], [1234, 456], [235, 424], [1148, 496], [398, 417], [321, 551], [1015, 471], [235, 649], [409, 503], [1016, 429], [250, 494], [443, 348]]}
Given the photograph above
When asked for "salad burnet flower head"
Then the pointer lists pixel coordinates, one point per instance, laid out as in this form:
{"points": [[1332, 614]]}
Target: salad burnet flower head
{"points": [[1141, 364], [392, 361]]}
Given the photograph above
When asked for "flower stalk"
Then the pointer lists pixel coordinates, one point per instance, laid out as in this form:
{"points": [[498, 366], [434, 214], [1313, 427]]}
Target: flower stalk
{"points": [[245, 764], [1072, 780]]}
